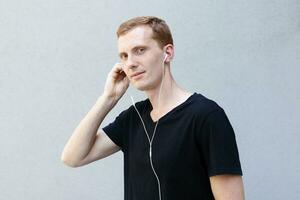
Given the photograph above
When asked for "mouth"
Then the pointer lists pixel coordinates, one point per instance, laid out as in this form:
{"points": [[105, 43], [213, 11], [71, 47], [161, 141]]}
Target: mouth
{"points": [[137, 74]]}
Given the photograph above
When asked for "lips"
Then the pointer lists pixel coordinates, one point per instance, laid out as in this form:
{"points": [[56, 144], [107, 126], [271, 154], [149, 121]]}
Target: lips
{"points": [[137, 73]]}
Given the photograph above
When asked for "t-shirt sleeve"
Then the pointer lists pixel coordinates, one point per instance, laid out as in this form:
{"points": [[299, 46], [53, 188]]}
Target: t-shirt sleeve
{"points": [[218, 145], [117, 129]]}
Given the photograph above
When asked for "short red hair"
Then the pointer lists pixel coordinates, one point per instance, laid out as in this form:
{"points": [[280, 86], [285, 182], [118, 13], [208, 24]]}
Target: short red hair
{"points": [[160, 30]]}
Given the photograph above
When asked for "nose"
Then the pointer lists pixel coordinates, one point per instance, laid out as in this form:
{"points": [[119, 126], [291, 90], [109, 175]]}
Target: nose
{"points": [[130, 62]]}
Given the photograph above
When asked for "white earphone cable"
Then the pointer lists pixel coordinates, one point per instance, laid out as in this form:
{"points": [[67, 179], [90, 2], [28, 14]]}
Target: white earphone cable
{"points": [[150, 141]]}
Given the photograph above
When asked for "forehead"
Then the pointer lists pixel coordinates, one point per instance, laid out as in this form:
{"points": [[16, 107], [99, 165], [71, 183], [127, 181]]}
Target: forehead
{"points": [[141, 35]]}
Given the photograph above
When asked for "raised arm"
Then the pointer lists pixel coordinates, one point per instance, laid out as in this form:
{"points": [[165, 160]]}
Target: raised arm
{"points": [[85, 144]]}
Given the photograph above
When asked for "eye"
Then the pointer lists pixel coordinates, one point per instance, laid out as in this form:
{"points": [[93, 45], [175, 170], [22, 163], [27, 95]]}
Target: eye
{"points": [[123, 57], [140, 50]]}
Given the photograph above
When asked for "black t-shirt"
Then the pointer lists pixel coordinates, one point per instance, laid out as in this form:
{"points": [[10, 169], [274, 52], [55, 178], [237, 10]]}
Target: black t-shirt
{"points": [[193, 141]]}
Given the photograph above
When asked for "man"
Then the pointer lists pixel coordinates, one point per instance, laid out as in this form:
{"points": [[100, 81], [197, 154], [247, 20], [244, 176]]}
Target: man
{"points": [[193, 155]]}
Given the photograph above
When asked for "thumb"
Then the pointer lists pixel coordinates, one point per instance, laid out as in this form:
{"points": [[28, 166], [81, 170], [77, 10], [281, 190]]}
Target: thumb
{"points": [[126, 80]]}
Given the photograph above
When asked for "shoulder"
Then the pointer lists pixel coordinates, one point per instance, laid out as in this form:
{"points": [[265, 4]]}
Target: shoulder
{"points": [[130, 110], [202, 106]]}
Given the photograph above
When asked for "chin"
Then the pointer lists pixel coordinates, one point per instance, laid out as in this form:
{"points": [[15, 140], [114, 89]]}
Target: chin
{"points": [[142, 86]]}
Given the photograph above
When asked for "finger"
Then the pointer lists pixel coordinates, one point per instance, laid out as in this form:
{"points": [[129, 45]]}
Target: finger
{"points": [[118, 67], [126, 80], [117, 71]]}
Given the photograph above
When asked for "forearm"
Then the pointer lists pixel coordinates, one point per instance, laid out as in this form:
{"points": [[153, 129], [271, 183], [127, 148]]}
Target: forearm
{"points": [[83, 137]]}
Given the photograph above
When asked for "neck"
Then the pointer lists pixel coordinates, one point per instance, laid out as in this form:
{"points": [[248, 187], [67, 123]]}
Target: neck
{"points": [[170, 94]]}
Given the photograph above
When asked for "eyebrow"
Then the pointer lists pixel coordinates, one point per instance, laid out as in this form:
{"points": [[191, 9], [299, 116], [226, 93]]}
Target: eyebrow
{"points": [[133, 49]]}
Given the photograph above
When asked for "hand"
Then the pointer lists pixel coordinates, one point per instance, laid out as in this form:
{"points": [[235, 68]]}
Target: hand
{"points": [[116, 83]]}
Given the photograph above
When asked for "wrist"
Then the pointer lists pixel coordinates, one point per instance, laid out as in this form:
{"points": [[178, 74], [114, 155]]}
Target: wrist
{"points": [[108, 100]]}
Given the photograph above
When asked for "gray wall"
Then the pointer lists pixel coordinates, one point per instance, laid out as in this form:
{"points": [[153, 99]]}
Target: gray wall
{"points": [[54, 58]]}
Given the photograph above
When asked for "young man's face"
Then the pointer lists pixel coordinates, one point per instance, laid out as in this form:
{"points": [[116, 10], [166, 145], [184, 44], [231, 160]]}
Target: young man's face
{"points": [[139, 53]]}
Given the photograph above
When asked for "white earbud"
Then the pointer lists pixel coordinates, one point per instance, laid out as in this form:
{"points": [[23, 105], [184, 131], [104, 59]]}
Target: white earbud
{"points": [[166, 55]]}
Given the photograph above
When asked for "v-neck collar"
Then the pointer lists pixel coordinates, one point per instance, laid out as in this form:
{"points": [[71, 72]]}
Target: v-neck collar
{"points": [[149, 109]]}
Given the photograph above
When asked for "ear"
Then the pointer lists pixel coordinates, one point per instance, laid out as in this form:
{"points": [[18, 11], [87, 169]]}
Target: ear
{"points": [[169, 52]]}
